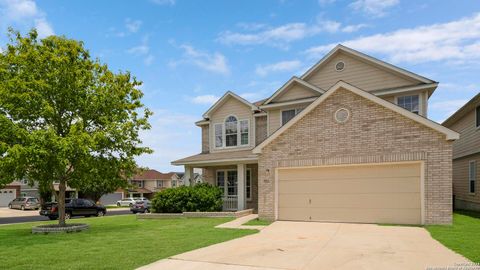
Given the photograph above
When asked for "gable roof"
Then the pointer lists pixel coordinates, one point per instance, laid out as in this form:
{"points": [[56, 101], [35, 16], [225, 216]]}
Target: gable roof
{"points": [[375, 61], [470, 105], [290, 82], [224, 98], [152, 175], [449, 134]]}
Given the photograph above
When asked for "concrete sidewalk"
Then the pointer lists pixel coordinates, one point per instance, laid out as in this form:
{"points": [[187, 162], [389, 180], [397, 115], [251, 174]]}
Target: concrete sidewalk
{"points": [[316, 246], [238, 223]]}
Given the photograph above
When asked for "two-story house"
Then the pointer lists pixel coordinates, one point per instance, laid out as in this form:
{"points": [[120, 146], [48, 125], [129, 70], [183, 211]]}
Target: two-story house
{"points": [[348, 141], [466, 155], [144, 184]]}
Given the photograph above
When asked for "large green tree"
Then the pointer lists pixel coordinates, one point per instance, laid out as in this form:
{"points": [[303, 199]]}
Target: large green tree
{"points": [[66, 117]]}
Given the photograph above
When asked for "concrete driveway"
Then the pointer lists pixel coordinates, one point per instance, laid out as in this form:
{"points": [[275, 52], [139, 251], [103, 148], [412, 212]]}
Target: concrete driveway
{"points": [[310, 245]]}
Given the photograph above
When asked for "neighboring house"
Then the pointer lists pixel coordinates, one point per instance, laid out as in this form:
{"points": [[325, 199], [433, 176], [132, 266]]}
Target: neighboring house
{"points": [[466, 155], [348, 141], [9, 192], [197, 178], [29, 191], [144, 184]]}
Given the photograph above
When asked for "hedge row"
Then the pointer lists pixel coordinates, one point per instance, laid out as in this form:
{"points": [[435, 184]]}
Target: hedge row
{"points": [[201, 197]]}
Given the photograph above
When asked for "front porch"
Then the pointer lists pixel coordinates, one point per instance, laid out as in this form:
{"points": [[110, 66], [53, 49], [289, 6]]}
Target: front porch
{"points": [[238, 183], [235, 172]]}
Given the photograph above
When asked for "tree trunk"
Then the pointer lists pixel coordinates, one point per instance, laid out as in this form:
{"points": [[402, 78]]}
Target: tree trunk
{"points": [[61, 202]]}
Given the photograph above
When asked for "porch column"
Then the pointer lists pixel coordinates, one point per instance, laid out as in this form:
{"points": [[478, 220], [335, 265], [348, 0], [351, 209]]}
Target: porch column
{"points": [[240, 187], [188, 175]]}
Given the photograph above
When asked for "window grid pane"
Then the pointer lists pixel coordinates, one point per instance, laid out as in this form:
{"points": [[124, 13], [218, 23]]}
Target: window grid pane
{"points": [[472, 175], [218, 135], [410, 103], [221, 180], [248, 185], [287, 116], [244, 132], [232, 183], [231, 131]]}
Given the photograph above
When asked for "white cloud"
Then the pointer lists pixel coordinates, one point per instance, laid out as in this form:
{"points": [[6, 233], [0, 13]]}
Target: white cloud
{"points": [[456, 41], [25, 14], [205, 99], [148, 60], [283, 66], [164, 2], [214, 62], [44, 29], [326, 2], [132, 25], [142, 50], [353, 28], [446, 108], [377, 8], [173, 136], [281, 35]]}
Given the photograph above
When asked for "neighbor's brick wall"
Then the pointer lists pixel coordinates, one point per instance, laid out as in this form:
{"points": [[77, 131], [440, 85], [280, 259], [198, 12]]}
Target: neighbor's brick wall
{"points": [[260, 129], [372, 134], [205, 139]]}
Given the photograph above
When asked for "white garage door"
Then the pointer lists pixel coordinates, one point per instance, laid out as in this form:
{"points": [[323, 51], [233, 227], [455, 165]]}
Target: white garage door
{"points": [[361, 193], [6, 196]]}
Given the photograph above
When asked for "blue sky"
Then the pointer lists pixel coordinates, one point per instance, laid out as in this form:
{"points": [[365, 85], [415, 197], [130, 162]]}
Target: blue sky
{"points": [[188, 53]]}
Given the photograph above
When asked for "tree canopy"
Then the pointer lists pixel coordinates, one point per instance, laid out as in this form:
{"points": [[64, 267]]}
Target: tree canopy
{"points": [[66, 117]]}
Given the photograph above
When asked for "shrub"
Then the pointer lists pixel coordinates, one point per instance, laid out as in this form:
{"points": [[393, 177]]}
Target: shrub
{"points": [[200, 197]]}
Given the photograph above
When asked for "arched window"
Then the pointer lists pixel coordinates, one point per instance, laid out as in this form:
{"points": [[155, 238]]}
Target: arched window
{"points": [[231, 134]]}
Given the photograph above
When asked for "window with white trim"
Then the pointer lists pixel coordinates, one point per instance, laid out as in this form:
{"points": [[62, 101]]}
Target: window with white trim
{"points": [[248, 184], [227, 181], [159, 183], [221, 180], [411, 103], [287, 115], [244, 132], [218, 135], [472, 175], [232, 132]]}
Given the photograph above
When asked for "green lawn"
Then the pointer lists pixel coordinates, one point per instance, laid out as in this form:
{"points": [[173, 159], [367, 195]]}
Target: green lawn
{"points": [[463, 236], [118, 242], [258, 222]]}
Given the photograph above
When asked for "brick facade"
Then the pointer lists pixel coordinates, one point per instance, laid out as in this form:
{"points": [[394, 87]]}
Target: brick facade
{"points": [[372, 134]]}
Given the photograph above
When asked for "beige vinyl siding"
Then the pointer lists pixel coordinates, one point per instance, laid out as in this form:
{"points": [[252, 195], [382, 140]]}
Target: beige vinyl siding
{"points": [[240, 110], [469, 142], [359, 73], [296, 91], [275, 116], [461, 181], [260, 129], [366, 193], [205, 139]]}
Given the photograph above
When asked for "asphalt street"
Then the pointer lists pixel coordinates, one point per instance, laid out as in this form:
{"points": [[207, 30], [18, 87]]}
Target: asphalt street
{"points": [[12, 220]]}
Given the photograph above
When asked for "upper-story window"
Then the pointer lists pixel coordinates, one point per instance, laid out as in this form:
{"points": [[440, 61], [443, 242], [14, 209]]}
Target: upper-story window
{"points": [[232, 133], [287, 115], [137, 183], [477, 114], [410, 103]]}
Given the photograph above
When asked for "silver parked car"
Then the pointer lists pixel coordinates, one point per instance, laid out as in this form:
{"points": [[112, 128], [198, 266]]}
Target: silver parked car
{"points": [[24, 203], [130, 201]]}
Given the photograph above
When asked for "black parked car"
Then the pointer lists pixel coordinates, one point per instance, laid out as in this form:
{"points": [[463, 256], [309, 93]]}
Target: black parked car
{"points": [[141, 207], [74, 207]]}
